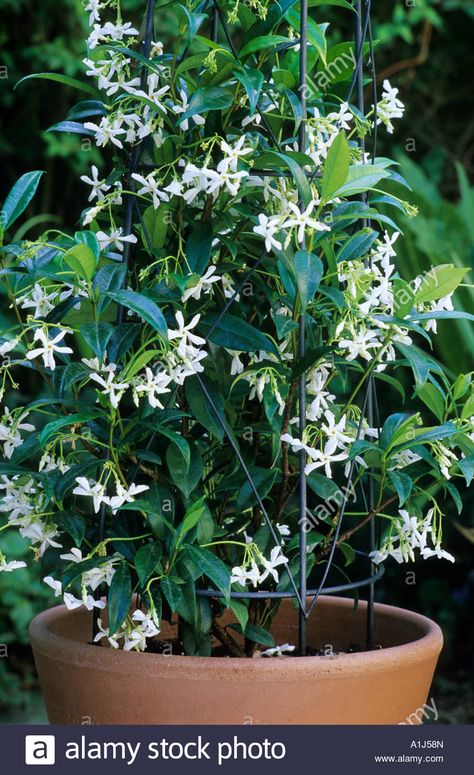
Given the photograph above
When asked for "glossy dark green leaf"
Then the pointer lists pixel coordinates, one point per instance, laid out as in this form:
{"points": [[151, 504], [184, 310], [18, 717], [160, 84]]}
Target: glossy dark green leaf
{"points": [[185, 477], [19, 197], [235, 334], [252, 81], [66, 80], [97, 336], [309, 272], [119, 598], [212, 567], [200, 407], [198, 247], [143, 306], [147, 561]]}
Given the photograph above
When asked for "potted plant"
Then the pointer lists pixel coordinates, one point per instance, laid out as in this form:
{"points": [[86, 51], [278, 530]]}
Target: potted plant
{"points": [[207, 343]]}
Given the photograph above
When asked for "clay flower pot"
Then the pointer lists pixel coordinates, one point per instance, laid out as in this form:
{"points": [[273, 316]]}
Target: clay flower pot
{"points": [[85, 684]]}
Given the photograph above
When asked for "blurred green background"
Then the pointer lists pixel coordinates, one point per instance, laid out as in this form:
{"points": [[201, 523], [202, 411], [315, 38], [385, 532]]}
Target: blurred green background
{"points": [[425, 48]]}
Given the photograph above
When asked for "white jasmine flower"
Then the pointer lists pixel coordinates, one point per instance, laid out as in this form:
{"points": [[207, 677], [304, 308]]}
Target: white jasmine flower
{"points": [[96, 491], [276, 558], [266, 228], [39, 533], [10, 426], [183, 333], [284, 530], [325, 458], [389, 107], [303, 220], [184, 124], [342, 117], [109, 31], [150, 186], [106, 132], [384, 251], [116, 238], [335, 430], [55, 585], [278, 651], [94, 6], [360, 345], [39, 301], [153, 385], [99, 187], [234, 153], [126, 496], [242, 575], [8, 346], [203, 285], [75, 555], [8, 567], [114, 390], [219, 178], [49, 347], [104, 633]]}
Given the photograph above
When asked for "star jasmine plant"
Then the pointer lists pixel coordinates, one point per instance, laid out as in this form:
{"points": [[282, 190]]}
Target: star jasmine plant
{"points": [[163, 346]]}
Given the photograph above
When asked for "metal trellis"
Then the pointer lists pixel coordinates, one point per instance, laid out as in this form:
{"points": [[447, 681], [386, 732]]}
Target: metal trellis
{"points": [[306, 598]]}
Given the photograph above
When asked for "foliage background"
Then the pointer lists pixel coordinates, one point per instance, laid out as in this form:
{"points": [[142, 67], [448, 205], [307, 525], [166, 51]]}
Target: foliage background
{"points": [[424, 48]]}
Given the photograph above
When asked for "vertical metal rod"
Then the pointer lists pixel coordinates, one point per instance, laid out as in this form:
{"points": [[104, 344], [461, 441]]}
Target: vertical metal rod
{"points": [[371, 385], [301, 355]]}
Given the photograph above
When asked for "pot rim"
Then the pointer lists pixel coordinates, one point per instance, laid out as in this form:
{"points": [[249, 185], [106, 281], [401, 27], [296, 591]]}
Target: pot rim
{"points": [[66, 649]]}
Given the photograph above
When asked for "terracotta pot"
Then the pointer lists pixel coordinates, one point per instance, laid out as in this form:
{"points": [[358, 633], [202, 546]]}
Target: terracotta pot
{"points": [[85, 684]]}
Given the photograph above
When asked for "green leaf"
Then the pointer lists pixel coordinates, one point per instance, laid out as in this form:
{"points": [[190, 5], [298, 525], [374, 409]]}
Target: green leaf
{"points": [[361, 177], [252, 81], [299, 176], [432, 396], [192, 516], [181, 443], [155, 225], [108, 278], [81, 260], [206, 99], [403, 298], [466, 465], [200, 407], [263, 479], [357, 245], [143, 306], [211, 566], [323, 486], [336, 166], [261, 43], [315, 32], [71, 126], [420, 363], [309, 271], [63, 422], [403, 485], [256, 634], [19, 197], [440, 281], [172, 593], [97, 336], [240, 610], [147, 559], [235, 334], [64, 79], [73, 524], [198, 247], [119, 598], [138, 363], [185, 477]]}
